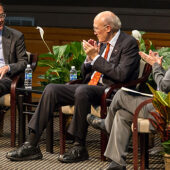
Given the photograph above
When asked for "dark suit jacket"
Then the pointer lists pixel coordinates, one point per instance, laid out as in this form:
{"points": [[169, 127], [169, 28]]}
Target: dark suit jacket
{"points": [[123, 65], [14, 50]]}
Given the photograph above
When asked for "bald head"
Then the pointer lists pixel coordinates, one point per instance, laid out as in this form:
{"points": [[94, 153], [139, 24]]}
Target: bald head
{"points": [[109, 18]]}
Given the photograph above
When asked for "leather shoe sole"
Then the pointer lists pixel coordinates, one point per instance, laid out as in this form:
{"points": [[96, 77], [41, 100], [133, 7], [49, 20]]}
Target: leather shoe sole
{"points": [[27, 158]]}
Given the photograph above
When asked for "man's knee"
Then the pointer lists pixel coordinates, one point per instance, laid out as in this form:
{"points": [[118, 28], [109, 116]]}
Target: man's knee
{"points": [[123, 116], [81, 91], [52, 89], [116, 100], [49, 88], [119, 94], [82, 94]]}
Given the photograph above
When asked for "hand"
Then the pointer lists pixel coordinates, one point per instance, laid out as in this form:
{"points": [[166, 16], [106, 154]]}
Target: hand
{"points": [[91, 48], [3, 71], [91, 41], [152, 58]]}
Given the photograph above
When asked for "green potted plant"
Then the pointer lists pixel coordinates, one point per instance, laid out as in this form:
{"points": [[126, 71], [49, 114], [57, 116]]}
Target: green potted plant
{"points": [[161, 102], [60, 60]]}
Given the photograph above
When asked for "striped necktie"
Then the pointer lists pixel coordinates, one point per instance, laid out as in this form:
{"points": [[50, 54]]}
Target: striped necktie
{"points": [[95, 79]]}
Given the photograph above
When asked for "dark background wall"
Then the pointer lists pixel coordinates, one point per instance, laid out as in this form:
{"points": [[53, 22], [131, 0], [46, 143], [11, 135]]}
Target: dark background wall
{"points": [[146, 15]]}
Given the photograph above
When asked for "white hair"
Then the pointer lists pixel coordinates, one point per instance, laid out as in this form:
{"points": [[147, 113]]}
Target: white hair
{"points": [[114, 21]]}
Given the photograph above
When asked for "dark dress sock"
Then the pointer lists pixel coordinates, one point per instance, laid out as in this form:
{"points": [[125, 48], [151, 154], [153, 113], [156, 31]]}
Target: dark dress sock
{"points": [[80, 142], [33, 139]]}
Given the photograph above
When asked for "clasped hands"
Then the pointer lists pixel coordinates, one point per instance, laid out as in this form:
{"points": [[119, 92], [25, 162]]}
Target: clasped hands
{"points": [[152, 58], [91, 48], [3, 71]]}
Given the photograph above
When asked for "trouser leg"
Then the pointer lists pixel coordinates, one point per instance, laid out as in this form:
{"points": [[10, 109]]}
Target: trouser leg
{"points": [[85, 96], [53, 96], [5, 86], [119, 137], [118, 123]]}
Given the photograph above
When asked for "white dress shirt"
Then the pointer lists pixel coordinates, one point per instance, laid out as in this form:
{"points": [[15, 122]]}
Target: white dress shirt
{"points": [[2, 61]]}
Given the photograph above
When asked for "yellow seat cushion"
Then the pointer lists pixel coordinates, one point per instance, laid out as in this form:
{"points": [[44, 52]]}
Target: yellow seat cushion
{"points": [[70, 110], [143, 125], [5, 100]]}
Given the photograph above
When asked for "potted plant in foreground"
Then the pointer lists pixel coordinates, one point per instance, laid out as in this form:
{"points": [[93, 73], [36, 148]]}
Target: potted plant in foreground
{"points": [[161, 103]]}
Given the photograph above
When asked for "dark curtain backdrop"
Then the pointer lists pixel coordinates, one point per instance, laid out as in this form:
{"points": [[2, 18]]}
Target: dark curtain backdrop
{"points": [[153, 4]]}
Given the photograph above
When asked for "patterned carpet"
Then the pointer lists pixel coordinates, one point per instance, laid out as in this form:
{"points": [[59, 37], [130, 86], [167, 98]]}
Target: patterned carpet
{"points": [[50, 161]]}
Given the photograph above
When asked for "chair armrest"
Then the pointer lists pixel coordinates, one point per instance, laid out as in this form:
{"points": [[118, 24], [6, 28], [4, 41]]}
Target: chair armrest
{"points": [[133, 83], [79, 81], [15, 81], [136, 113], [109, 90]]}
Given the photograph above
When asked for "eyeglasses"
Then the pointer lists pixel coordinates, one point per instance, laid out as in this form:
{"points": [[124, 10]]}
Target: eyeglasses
{"points": [[2, 16], [97, 29]]}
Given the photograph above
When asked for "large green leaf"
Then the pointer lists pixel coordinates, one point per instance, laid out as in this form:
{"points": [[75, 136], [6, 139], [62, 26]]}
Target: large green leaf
{"points": [[160, 96], [161, 104], [166, 146], [46, 63], [60, 51], [47, 55]]}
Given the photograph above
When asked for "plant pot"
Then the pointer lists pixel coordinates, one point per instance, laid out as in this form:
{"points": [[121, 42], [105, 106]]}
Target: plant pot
{"points": [[167, 161]]}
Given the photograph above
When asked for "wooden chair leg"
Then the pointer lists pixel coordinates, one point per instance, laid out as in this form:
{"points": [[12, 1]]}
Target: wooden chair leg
{"points": [[13, 121], [21, 120], [49, 136], [147, 151], [1, 122], [62, 123], [135, 148], [103, 144], [144, 157]]}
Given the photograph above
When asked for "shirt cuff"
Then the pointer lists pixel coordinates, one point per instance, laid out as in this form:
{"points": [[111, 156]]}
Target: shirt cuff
{"points": [[92, 63], [8, 68], [87, 62]]}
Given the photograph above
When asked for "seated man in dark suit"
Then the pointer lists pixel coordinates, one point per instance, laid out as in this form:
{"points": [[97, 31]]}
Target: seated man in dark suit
{"points": [[114, 59], [119, 119], [13, 57]]}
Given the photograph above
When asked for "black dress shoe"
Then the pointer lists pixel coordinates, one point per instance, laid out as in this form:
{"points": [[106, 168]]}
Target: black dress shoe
{"points": [[96, 122], [115, 166], [24, 153], [75, 154]]}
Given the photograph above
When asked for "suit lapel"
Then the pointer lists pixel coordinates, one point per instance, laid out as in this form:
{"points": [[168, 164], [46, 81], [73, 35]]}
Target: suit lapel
{"points": [[6, 43], [117, 48], [102, 48]]}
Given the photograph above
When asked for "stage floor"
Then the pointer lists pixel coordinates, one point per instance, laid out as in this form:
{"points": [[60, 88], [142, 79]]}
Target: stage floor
{"points": [[50, 161]]}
